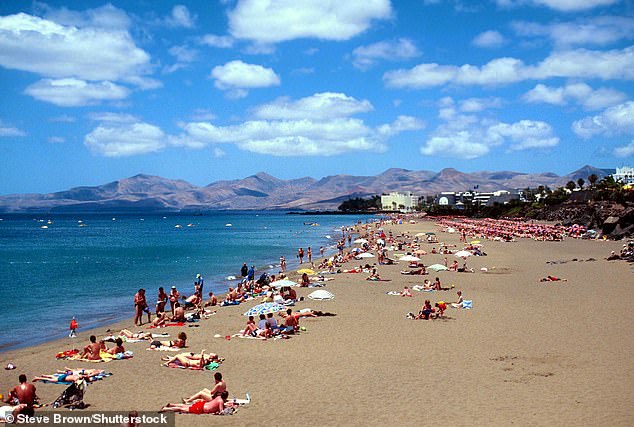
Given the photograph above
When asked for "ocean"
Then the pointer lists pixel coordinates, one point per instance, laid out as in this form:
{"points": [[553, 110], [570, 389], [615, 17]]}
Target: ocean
{"points": [[54, 267]]}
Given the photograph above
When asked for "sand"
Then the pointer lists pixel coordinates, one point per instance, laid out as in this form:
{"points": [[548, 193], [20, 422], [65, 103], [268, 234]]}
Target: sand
{"points": [[528, 353]]}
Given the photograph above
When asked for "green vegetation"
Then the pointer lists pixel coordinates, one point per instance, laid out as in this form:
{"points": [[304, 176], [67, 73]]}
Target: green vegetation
{"points": [[359, 204]]}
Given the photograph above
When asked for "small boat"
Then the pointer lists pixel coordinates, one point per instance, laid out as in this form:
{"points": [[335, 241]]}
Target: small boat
{"points": [[177, 226], [83, 225], [44, 226], [228, 225], [190, 225]]}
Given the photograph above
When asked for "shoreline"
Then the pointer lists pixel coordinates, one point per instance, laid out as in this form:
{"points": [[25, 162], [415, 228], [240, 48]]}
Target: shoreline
{"points": [[221, 282], [527, 353]]}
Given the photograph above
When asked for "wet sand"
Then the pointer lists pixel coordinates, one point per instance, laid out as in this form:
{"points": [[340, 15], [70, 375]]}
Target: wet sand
{"points": [[528, 353]]}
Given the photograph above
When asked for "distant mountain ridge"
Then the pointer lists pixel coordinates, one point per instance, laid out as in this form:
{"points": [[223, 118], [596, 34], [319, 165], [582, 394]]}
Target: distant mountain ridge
{"points": [[263, 191]]}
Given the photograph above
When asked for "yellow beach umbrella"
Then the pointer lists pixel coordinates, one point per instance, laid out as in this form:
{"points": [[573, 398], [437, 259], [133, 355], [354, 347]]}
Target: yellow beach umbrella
{"points": [[475, 242], [306, 270]]}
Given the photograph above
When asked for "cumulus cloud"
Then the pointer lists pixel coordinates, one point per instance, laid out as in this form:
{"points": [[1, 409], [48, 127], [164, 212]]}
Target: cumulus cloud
{"points": [[489, 39], [218, 152], [267, 22], [320, 106], [237, 76], [617, 120], [33, 44], [75, 93], [625, 150], [181, 17], [56, 140], [365, 57], [318, 125], [8, 130], [112, 117], [469, 136], [107, 16], [560, 5], [217, 41], [578, 63], [598, 31], [183, 54], [113, 139], [580, 93], [475, 105]]}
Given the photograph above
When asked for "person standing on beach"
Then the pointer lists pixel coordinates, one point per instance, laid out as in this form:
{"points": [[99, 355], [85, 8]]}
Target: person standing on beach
{"points": [[244, 270], [300, 255], [321, 251], [309, 254], [283, 264], [140, 306], [174, 297], [199, 283], [73, 328], [161, 301]]}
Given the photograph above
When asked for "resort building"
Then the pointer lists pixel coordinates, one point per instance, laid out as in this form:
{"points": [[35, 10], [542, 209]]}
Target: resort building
{"points": [[404, 202], [625, 175], [460, 199]]}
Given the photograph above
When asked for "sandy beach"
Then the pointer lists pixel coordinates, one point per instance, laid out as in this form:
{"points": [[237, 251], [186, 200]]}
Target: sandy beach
{"points": [[528, 353]]}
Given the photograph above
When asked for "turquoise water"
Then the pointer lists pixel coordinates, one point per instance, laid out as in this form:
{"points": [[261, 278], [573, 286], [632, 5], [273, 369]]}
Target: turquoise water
{"points": [[48, 275]]}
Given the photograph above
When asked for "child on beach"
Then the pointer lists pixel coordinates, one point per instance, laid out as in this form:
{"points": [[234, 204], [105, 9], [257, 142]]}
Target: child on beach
{"points": [[73, 328]]}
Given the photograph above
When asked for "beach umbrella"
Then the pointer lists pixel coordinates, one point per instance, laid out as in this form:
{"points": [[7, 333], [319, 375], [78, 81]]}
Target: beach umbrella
{"points": [[420, 234], [284, 282], [321, 294], [463, 254], [437, 267], [430, 233], [451, 230], [409, 258], [306, 270], [365, 255], [264, 308], [475, 242], [360, 241]]}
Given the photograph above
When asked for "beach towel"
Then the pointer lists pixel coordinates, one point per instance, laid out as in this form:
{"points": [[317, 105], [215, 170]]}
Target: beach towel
{"points": [[105, 357], [211, 366], [393, 293], [248, 337], [90, 379], [467, 303], [67, 354], [163, 348], [166, 325]]}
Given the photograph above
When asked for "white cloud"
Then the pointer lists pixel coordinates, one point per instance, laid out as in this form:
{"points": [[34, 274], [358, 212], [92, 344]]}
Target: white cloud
{"points": [[269, 22], [107, 16], [599, 31], [365, 57], [181, 17], [317, 125], [56, 140], [183, 54], [401, 124], [237, 76], [8, 130], [468, 136], [217, 41], [475, 105], [579, 63], [75, 93], [560, 5], [615, 120], [320, 106], [33, 44], [625, 150], [489, 39], [218, 152], [203, 114], [580, 93], [125, 139]]}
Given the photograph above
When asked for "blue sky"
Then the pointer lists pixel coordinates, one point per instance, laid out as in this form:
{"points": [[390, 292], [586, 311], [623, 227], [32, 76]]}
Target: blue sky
{"points": [[212, 90]]}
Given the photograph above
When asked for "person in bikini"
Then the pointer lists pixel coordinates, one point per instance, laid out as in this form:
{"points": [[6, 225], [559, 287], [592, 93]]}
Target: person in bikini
{"points": [[191, 360], [181, 342], [215, 406], [208, 395]]}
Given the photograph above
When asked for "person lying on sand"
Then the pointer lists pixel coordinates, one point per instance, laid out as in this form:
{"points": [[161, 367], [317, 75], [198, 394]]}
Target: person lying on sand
{"points": [[70, 375], [207, 395], [419, 271], [181, 342], [135, 335], [191, 360], [552, 279], [406, 292], [214, 406]]}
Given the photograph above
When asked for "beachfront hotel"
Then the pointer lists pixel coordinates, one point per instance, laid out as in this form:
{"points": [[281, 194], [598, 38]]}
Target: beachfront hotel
{"points": [[404, 202], [625, 175]]}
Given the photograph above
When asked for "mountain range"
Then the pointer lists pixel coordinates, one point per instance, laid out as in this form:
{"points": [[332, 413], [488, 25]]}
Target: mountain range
{"points": [[263, 191]]}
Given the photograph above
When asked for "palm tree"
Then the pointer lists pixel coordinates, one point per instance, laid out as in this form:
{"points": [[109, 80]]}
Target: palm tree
{"points": [[580, 183], [570, 185], [593, 178]]}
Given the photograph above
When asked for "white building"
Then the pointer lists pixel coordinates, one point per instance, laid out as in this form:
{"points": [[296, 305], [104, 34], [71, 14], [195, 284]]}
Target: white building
{"points": [[625, 175], [400, 201]]}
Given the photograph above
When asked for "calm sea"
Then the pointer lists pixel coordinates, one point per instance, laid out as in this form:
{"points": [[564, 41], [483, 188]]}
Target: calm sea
{"points": [[90, 265]]}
